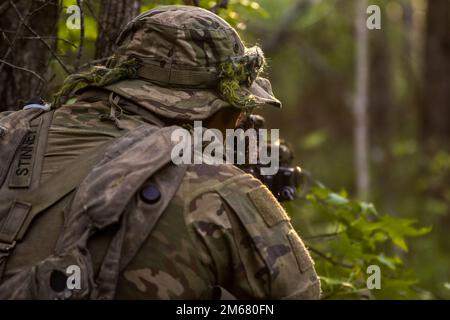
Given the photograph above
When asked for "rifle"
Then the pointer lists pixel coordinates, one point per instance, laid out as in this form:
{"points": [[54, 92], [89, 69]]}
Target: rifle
{"points": [[283, 184]]}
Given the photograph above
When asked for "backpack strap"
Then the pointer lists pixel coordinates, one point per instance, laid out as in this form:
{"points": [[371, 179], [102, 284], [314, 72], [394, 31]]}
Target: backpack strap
{"points": [[26, 207], [13, 129], [102, 200]]}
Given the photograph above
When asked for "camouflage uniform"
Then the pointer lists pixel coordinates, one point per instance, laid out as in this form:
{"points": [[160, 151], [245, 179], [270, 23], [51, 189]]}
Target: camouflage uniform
{"points": [[222, 227]]}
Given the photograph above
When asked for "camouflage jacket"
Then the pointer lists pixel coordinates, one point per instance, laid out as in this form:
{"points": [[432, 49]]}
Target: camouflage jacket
{"points": [[222, 227]]}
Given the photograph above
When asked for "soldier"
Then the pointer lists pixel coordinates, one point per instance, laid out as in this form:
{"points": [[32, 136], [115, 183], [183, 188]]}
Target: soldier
{"points": [[88, 189]]}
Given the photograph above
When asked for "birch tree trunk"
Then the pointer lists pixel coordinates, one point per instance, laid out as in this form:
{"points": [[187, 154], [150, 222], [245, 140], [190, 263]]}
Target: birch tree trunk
{"points": [[114, 14], [360, 133]]}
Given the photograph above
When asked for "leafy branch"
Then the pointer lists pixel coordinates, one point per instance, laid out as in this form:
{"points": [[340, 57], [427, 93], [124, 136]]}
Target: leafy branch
{"points": [[361, 237]]}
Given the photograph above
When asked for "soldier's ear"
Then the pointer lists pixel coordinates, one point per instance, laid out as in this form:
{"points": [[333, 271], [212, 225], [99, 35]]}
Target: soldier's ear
{"points": [[225, 118]]}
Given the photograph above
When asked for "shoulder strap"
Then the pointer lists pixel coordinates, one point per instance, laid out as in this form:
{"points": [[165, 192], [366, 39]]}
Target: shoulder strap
{"points": [[26, 207], [13, 129], [277, 242], [101, 200]]}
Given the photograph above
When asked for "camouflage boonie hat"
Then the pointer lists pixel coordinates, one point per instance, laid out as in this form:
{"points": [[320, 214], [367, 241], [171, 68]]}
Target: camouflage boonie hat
{"points": [[180, 51]]}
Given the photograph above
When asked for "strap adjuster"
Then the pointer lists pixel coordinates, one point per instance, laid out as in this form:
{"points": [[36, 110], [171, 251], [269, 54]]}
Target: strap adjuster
{"points": [[6, 247]]}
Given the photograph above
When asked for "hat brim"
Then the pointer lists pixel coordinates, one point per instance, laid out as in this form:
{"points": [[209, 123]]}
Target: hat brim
{"points": [[187, 103]]}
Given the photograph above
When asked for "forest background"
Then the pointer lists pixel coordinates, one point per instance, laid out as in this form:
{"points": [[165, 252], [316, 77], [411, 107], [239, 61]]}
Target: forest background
{"points": [[366, 111]]}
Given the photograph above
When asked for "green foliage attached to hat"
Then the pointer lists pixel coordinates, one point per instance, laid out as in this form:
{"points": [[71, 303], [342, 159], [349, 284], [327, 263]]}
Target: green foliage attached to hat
{"points": [[238, 72], [97, 76]]}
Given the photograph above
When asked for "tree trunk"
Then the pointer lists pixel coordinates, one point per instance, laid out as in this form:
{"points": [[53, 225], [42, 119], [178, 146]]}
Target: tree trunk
{"points": [[380, 102], [23, 52], [435, 106], [380, 111], [114, 14], [360, 134]]}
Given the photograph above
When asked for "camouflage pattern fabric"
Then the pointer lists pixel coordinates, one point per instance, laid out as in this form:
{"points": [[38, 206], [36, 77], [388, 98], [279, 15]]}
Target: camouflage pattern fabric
{"points": [[222, 227], [202, 239], [181, 103], [177, 47]]}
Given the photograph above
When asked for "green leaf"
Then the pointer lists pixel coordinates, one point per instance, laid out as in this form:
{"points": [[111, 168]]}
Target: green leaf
{"points": [[399, 228], [390, 262], [71, 101], [333, 282], [314, 140], [336, 199], [368, 208]]}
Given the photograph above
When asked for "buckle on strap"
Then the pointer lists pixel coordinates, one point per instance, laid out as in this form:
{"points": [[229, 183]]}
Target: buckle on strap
{"points": [[10, 228], [6, 248]]}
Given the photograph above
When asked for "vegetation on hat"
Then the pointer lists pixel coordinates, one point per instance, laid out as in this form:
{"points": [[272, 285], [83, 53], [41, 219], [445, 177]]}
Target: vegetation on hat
{"points": [[96, 76], [238, 72]]}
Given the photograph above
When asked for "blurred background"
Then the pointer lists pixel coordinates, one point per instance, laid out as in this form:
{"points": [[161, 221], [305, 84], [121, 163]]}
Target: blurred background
{"points": [[366, 111]]}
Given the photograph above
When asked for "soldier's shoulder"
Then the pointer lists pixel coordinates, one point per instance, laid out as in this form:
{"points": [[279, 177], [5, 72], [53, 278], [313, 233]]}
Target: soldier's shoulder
{"points": [[80, 114], [209, 190], [203, 188], [204, 177], [4, 114]]}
